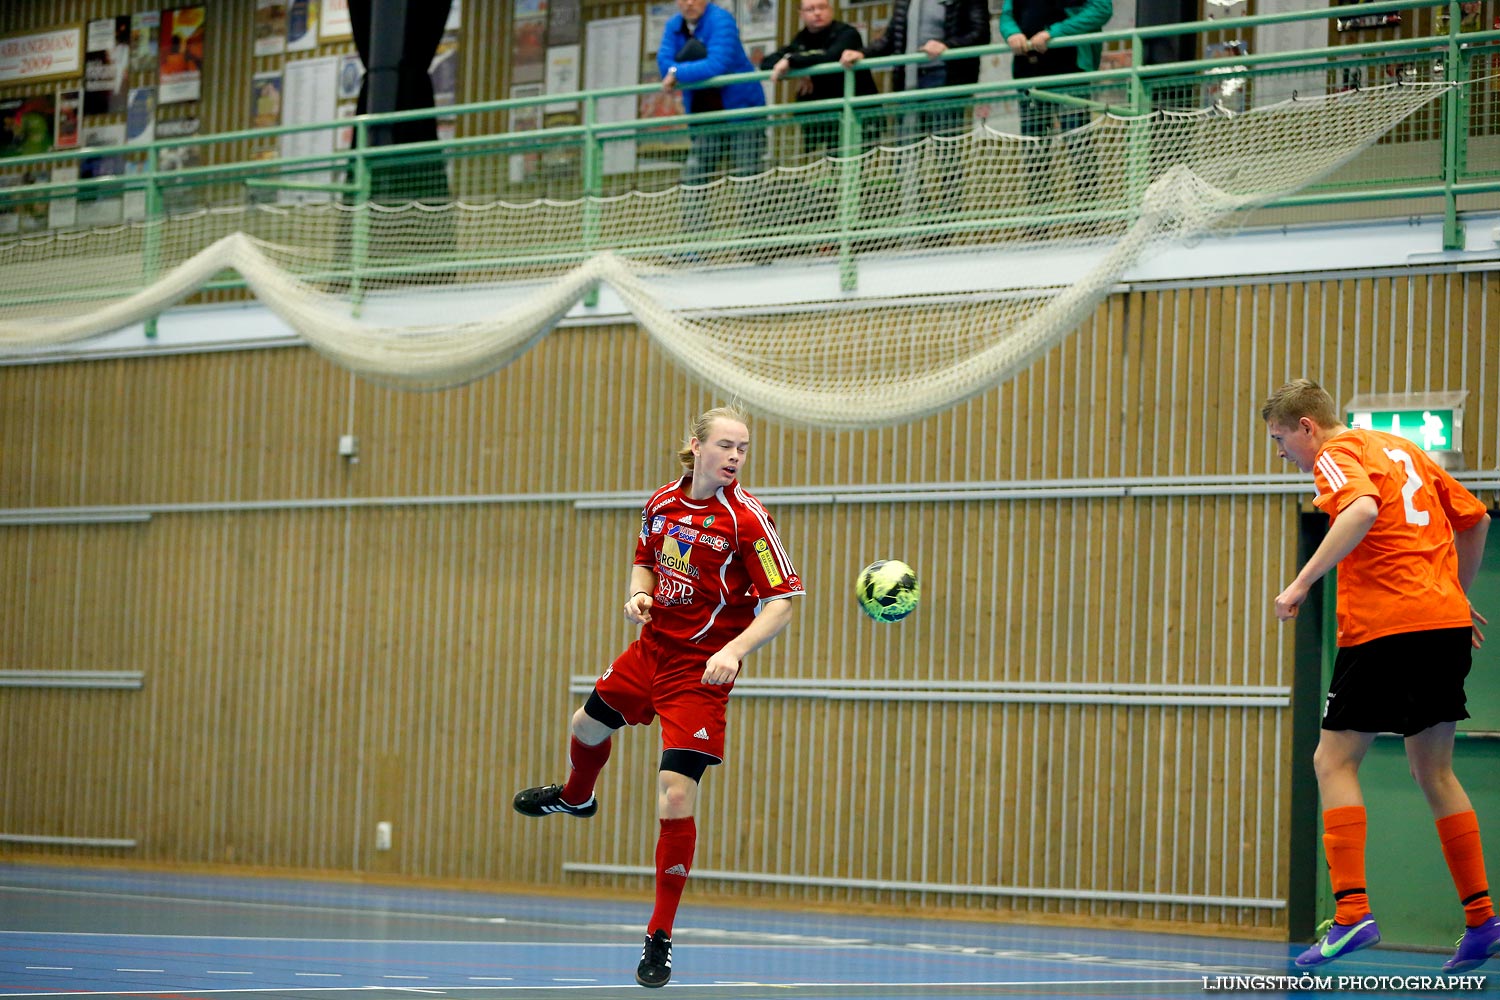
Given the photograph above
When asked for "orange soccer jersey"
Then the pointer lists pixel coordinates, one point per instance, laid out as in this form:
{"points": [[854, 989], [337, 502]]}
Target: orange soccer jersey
{"points": [[1403, 575]]}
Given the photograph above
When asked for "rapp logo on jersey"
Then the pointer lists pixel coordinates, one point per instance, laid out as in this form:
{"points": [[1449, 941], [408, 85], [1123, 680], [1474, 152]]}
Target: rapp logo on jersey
{"points": [[767, 562]]}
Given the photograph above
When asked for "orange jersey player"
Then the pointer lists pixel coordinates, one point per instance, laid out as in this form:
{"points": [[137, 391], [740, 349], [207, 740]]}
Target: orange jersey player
{"points": [[1408, 540]]}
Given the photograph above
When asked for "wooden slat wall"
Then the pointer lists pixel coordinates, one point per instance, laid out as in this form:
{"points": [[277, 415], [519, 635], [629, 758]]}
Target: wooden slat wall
{"points": [[311, 672]]}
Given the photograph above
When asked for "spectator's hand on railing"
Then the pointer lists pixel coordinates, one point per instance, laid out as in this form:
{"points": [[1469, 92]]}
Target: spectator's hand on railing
{"points": [[1039, 41], [779, 71], [850, 57], [804, 86], [669, 82], [934, 48], [1017, 43]]}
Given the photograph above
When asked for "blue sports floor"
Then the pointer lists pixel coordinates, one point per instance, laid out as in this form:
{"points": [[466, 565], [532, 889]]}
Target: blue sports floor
{"points": [[75, 932]]}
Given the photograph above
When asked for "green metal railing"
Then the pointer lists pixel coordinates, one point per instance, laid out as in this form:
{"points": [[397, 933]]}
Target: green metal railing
{"points": [[481, 163]]}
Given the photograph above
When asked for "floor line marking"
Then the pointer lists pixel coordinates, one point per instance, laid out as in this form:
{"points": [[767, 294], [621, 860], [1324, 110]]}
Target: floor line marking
{"points": [[1195, 982]]}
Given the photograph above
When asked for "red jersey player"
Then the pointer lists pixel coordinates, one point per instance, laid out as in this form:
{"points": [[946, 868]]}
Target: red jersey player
{"points": [[1408, 541], [709, 586]]}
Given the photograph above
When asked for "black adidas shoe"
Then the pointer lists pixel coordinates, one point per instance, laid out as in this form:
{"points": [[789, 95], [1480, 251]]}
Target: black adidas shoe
{"points": [[547, 799], [656, 961]]}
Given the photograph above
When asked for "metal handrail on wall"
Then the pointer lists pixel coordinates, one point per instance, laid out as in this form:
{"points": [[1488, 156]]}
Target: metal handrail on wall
{"points": [[363, 164]]}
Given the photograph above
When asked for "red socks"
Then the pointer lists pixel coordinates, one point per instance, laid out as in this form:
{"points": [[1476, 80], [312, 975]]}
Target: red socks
{"points": [[1344, 831], [1461, 849], [587, 762], [674, 858]]}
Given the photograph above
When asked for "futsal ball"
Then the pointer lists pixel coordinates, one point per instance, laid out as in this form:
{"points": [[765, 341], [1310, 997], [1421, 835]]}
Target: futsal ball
{"points": [[887, 590]]}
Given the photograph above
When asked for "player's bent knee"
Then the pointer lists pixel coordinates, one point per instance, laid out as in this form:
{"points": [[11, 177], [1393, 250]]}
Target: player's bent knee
{"points": [[595, 722]]}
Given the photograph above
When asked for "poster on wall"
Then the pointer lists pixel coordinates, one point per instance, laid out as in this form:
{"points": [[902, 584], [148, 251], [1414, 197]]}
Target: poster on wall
{"points": [[335, 24], [140, 117], [443, 71], [657, 16], [351, 76], [145, 27], [270, 27], [69, 114], [302, 26], [1361, 22], [176, 128], [47, 55], [528, 52], [613, 59], [523, 166], [563, 19], [182, 52], [106, 66], [343, 139], [63, 212], [26, 125], [309, 95], [96, 208], [562, 75], [265, 99], [758, 19]]}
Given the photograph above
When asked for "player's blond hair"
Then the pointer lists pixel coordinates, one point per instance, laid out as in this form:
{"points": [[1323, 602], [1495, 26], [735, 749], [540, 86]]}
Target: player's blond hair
{"points": [[1297, 399], [704, 424]]}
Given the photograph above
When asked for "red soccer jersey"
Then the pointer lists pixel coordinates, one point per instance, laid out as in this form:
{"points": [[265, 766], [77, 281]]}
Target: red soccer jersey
{"points": [[1403, 575], [714, 560]]}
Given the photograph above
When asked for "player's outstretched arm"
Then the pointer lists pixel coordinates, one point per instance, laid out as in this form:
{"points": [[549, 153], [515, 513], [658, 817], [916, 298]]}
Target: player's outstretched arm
{"points": [[1348, 530], [724, 666]]}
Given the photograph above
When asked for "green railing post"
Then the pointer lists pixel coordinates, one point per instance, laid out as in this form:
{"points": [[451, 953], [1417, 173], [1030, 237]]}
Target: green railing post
{"points": [[593, 187], [1138, 145], [1455, 128], [359, 226], [151, 263], [851, 143]]}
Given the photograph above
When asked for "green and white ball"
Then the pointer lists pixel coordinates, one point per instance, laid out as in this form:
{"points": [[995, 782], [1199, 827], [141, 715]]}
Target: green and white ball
{"points": [[887, 590]]}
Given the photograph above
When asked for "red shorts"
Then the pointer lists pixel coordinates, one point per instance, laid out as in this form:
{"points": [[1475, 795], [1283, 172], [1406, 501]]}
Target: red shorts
{"points": [[645, 682]]}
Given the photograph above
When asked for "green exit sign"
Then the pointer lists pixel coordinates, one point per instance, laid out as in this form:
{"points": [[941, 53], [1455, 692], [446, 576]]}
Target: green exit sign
{"points": [[1431, 430], [1433, 421]]}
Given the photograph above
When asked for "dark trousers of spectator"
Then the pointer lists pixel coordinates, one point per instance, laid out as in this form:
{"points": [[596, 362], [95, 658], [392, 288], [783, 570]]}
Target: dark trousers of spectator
{"points": [[944, 158], [743, 148], [1036, 121]]}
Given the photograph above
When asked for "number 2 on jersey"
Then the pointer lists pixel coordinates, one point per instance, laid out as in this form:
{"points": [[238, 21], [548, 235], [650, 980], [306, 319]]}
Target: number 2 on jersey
{"points": [[1413, 483]]}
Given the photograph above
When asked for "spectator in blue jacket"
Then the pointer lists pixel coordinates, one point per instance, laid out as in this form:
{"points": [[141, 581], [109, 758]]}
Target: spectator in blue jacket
{"points": [[702, 41]]}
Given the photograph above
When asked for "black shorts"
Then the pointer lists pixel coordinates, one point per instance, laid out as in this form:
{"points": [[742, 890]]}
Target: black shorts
{"points": [[1402, 683]]}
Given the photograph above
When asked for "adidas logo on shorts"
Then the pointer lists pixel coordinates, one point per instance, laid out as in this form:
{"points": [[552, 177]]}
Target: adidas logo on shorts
{"points": [[701, 734]]}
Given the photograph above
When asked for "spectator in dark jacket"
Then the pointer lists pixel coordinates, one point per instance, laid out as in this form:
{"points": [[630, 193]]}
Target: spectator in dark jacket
{"points": [[933, 27], [821, 40]]}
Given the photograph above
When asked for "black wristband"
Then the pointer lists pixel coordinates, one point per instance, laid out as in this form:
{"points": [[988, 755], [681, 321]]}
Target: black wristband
{"points": [[641, 592]]}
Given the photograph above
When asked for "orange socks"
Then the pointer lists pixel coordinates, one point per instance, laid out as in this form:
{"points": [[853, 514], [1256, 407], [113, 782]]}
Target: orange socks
{"points": [[1344, 843], [1460, 836]]}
